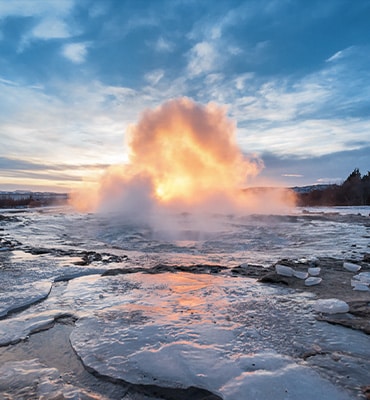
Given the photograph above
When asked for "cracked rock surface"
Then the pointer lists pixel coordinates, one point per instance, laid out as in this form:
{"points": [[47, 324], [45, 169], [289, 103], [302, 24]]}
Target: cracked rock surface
{"points": [[92, 308]]}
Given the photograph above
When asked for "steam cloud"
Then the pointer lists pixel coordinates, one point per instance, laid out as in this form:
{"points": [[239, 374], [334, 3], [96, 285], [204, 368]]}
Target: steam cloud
{"points": [[183, 156]]}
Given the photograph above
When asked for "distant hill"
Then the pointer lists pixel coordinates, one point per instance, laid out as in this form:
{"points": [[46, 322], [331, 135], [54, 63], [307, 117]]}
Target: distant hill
{"points": [[310, 188], [31, 199]]}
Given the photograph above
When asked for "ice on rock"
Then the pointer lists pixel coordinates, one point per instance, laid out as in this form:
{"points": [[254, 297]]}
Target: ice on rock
{"points": [[363, 277], [23, 296], [222, 333], [312, 280], [314, 271], [331, 306], [36, 381], [360, 286], [361, 282], [284, 270], [15, 329], [174, 335], [300, 274], [289, 381], [351, 267]]}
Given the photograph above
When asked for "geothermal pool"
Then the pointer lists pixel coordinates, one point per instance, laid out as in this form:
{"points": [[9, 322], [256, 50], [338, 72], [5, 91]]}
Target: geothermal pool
{"points": [[101, 306]]}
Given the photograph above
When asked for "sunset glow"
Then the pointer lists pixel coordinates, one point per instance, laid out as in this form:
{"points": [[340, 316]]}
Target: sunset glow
{"points": [[181, 154], [76, 77], [188, 150]]}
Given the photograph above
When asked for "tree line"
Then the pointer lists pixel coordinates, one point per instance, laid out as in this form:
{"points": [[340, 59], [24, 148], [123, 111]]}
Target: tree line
{"points": [[9, 201], [354, 191]]}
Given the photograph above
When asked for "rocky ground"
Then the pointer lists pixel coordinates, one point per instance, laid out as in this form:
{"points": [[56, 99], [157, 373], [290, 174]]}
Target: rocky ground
{"points": [[335, 283]]}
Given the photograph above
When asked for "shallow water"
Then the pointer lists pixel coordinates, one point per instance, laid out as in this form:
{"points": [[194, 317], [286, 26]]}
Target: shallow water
{"points": [[151, 333]]}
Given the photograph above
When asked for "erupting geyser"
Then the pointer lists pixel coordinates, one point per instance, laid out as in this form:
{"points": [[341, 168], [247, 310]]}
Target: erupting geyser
{"points": [[182, 156]]}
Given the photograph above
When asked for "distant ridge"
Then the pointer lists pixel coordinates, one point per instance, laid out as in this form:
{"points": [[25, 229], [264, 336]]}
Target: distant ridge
{"points": [[310, 188], [26, 198]]}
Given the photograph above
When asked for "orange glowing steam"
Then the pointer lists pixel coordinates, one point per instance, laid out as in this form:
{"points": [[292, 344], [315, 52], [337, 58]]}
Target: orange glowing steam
{"points": [[189, 151], [180, 154]]}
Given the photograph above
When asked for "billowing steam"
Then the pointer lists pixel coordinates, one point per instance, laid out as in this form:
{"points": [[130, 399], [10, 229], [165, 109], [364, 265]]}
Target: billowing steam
{"points": [[183, 156]]}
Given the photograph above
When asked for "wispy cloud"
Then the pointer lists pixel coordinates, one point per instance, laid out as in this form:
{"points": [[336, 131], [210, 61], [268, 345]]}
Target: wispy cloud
{"points": [[202, 58], [153, 77], [336, 56], [76, 52], [49, 19], [292, 175], [40, 8], [51, 28], [163, 45]]}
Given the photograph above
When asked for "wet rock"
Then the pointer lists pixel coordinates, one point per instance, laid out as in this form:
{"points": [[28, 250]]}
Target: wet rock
{"points": [[163, 268], [250, 271], [8, 218], [195, 269], [366, 391], [36, 251], [113, 258], [8, 244], [29, 379], [272, 277], [357, 318], [122, 271], [360, 308], [348, 320], [87, 257]]}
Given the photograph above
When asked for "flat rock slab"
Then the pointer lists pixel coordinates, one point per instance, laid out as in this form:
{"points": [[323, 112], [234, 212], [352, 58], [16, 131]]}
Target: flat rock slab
{"points": [[336, 283], [176, 330], [357, 318]]}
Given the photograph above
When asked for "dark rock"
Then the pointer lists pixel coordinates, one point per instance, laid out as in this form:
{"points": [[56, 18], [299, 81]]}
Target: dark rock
{"points": [[122, 271], [250, 271], [194, 269], [273, 277], [360, 308], [357, 318], [163, 268], [366, 391]]}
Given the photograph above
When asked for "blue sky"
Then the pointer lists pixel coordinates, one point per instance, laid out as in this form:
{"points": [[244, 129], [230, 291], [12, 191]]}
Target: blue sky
{"points": [[294, 75]]}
